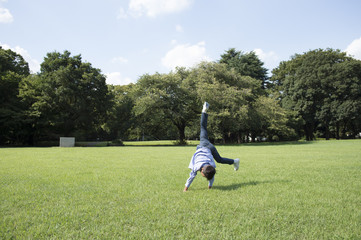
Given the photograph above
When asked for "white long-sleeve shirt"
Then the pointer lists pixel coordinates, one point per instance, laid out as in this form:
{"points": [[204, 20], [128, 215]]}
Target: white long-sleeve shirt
{"points": [[202, 156]]}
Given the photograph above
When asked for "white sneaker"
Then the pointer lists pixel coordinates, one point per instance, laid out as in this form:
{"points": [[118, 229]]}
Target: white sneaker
{"points": [[236, 164], [205, 107]]}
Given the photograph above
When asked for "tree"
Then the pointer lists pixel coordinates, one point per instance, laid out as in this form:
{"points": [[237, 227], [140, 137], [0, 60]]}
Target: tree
{"points": [[345, 99], [13, 68], [246, 64], [323, 87], [68, 97], [163, 99], [230, 95], [120, 116], [276, 122]]}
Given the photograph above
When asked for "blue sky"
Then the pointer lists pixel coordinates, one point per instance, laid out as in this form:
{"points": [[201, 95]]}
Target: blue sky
{"points": [[129, 38]]}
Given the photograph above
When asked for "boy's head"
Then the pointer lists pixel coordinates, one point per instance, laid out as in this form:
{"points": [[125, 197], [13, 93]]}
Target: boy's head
{"points": [[208, 172]]}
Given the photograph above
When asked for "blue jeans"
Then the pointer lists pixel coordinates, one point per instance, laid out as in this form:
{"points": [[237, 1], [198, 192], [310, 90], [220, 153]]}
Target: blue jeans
{"points": [[204, 142]]}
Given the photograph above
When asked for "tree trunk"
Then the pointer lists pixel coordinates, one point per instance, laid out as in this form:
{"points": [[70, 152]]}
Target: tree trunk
{"points": [[239, 137], [181, 132], [309, 132], [337, 131], [327, 133]]}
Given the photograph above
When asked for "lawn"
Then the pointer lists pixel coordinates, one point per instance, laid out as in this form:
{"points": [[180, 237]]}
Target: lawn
{"points": [[295, 190]]}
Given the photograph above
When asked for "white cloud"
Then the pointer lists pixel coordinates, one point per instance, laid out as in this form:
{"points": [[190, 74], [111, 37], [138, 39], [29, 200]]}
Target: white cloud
{"points": [[122, 14], [354, 49], [185, 55], [34, 64], [119, 60], [116, 78], [270, 59], [153, 8], [179, 28], [5, 16]]}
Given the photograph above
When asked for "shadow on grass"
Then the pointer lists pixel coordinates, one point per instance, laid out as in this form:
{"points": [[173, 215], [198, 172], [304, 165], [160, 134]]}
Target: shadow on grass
{"points": [[194, 144], [246, 184], [257, 144]]}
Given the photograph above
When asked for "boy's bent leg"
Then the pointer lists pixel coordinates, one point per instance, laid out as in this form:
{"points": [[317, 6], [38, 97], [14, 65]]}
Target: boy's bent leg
{"points": [[218, 157]]}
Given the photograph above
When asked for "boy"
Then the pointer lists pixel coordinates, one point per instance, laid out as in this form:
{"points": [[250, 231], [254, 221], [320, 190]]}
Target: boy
{"points": [[203, 159]]}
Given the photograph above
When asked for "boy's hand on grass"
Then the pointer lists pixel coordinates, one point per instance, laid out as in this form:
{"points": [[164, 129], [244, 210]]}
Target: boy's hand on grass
{"points": [[185, 189]]}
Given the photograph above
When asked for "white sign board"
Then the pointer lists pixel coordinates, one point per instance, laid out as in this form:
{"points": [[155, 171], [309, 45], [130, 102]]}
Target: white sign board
{"points": [[67, 142]]}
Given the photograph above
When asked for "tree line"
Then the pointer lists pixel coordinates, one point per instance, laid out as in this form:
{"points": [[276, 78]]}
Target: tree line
{"points": [[314, 94]]}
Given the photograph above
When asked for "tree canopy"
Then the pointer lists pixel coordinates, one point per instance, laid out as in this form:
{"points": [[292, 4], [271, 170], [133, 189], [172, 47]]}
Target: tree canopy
{"points": [[324, 88], [68, 97], [246, 64], [314, 94], [166, 97], [13, 68]]}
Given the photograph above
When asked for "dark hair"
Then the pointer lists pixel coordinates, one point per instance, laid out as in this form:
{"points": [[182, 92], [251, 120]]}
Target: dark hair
{"points": [[209, 172]]}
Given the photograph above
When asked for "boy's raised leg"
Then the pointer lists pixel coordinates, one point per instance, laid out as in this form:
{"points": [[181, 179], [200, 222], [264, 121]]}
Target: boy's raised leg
{"points": [[204, 141]]}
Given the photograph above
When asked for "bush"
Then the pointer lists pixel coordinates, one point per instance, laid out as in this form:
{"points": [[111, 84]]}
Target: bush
{"points": [[275, 138], [116, 142]]}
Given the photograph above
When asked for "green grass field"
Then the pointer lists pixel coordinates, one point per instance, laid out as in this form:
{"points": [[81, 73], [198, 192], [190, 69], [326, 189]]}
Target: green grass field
{"points": [[282, 191]]}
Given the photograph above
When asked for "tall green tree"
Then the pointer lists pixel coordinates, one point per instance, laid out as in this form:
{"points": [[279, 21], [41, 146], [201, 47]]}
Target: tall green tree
{"points": [[121, 118], [323, 87], [343, 100], [246, 64], [231, 96], [276, 123], [165, 98], [68, 97], [13, 68]]}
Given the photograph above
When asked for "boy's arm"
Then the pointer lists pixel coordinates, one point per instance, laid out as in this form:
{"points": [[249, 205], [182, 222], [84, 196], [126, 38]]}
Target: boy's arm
{"points": [[192, 175], [210, 183]]}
